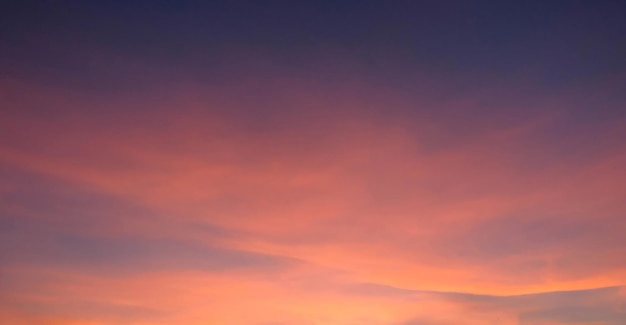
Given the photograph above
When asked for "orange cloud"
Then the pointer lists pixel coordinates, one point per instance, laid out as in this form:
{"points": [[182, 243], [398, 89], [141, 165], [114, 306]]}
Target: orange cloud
{"points": [[297, 205]]}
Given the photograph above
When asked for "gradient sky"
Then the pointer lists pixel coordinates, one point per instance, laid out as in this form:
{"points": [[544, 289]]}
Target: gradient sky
{"points": [[313, 162]]}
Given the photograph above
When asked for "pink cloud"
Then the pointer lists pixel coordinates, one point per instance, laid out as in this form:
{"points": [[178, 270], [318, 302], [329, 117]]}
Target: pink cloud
{"points": [[353, 182]]}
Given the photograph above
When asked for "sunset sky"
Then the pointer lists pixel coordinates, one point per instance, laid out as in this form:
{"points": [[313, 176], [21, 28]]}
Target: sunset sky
{"points": [[313, 162]]}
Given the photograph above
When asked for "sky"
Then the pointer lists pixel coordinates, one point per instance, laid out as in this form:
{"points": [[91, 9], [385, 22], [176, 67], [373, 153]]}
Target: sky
{"points": [[313, 162]]}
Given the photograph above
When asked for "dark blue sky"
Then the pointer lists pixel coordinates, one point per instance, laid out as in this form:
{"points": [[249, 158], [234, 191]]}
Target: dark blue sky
{"points": [[555, 42]]}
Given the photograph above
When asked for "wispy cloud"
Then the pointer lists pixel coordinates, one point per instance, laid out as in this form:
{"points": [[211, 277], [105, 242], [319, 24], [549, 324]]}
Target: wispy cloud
{"points": [[296, 201]]}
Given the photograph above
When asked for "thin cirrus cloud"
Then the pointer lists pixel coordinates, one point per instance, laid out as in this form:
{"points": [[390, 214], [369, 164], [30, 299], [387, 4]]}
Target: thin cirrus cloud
{"points": [[287, 201]]}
